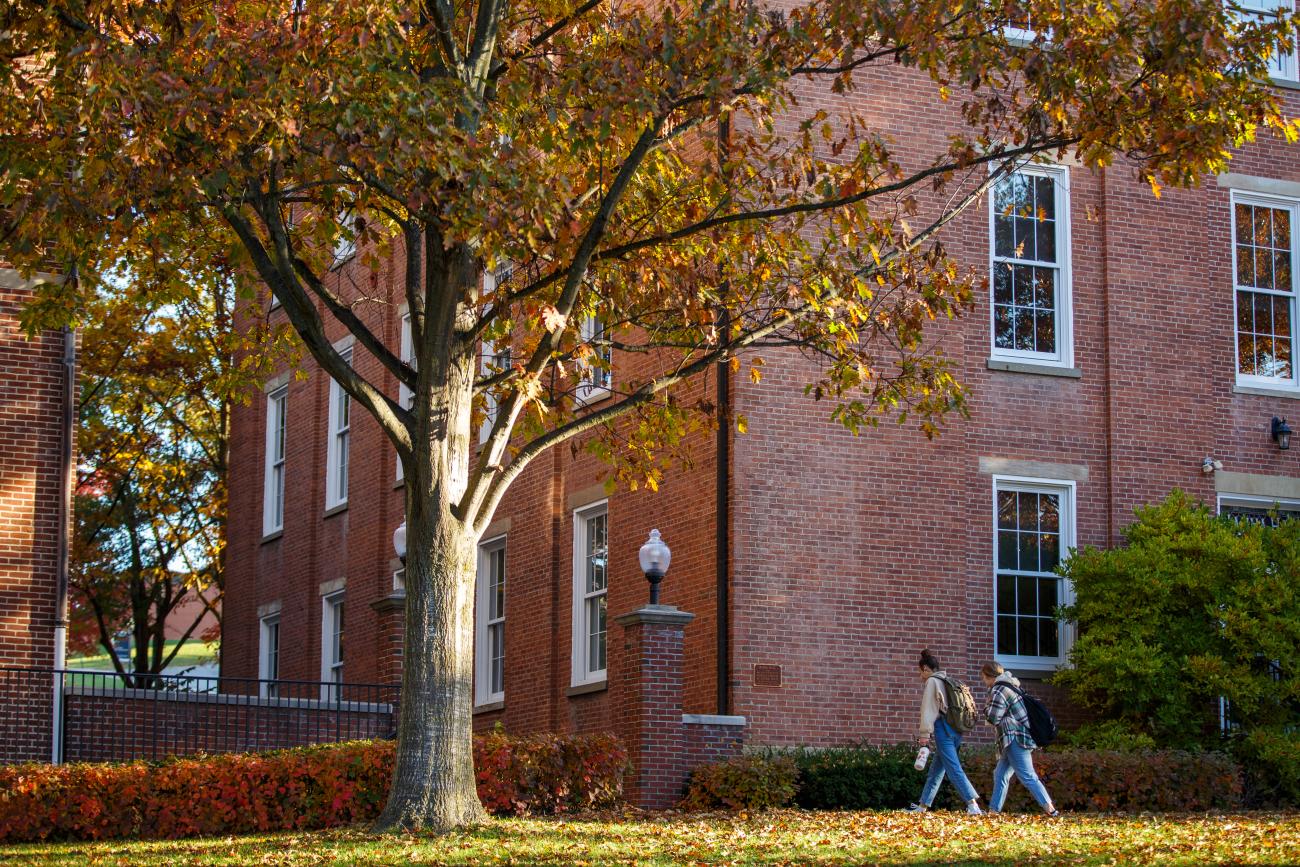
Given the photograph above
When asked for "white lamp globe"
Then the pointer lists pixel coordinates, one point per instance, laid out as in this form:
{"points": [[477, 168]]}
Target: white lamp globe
{"points": [[399, 541], [655, 555]]}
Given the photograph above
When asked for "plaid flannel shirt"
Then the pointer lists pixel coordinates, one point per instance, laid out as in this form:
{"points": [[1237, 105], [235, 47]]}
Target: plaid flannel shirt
{"points": [[1006, 711]]}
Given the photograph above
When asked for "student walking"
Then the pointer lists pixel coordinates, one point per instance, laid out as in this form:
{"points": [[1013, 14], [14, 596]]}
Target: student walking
{"points": [[1005, 710], [934, 711]]}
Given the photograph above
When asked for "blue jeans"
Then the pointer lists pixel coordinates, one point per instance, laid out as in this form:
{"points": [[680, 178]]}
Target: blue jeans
{"points": [[1019, 761], [945, 760]]}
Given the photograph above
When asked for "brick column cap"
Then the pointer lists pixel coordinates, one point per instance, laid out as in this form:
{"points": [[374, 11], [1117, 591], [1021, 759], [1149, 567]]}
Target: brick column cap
{"points": [[666, 615], [393, 602]]}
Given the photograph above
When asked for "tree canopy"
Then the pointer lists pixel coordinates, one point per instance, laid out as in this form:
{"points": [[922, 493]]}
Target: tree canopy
{"points": [[701, 178]]}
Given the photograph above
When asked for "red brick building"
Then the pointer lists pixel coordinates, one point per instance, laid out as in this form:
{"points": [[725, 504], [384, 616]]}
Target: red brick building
{"points": [[1125, 340], [33, 379]]}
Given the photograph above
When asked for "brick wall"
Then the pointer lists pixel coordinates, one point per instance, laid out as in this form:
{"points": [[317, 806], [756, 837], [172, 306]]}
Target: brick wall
{"points": [[31, 398], [120, 725]]}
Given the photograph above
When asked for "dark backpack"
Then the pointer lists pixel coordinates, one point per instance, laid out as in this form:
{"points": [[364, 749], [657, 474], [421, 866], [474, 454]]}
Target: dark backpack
{"points": [[961, 705], [1042, 725]]}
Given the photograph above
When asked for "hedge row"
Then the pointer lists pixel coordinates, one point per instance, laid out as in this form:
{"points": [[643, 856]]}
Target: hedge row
{"points": [[866, 777], [307, 788]]}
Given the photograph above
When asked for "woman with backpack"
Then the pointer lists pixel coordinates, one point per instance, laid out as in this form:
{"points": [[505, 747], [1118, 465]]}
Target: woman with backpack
{"points": [[934, 713], [1005, 711]]}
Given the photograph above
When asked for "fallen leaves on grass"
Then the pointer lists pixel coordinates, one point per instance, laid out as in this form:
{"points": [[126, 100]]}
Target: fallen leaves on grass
{"points": [[779, 837]]}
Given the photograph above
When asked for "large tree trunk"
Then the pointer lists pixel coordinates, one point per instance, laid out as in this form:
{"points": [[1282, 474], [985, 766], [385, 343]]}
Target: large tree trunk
{"points": [[433, 782]]}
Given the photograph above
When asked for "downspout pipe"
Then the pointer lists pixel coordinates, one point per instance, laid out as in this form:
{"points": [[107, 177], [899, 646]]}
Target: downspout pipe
{"points": [[67, 469]]}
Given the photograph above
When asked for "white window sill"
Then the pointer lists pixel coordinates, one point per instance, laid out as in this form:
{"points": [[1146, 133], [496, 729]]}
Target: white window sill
{"points": [[587, 688], [1039, 368], [1267, 391], [1284, 83], [491, 706], [1029, 667], [272, 536], [335, 509]]}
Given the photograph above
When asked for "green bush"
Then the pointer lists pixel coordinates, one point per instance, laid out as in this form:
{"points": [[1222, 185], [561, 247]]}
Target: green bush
{"points": [[1108, 735], [1193, 608], [1273, 760], [857, 777], [753, 782]]}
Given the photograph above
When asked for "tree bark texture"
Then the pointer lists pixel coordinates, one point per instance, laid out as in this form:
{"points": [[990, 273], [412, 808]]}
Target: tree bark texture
{"points": [[433, 780]]}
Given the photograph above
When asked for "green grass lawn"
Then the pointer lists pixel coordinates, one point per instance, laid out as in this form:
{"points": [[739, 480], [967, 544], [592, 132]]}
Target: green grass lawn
{"points": [[779, 837], [193, 653]]}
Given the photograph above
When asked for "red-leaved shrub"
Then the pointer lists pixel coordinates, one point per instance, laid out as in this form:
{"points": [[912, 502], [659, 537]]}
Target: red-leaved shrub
{"points": [[1097, 780], [306, 788]]}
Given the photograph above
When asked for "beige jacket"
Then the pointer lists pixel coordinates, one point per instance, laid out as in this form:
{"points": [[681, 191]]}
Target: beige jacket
{"points": [[933, 703]]}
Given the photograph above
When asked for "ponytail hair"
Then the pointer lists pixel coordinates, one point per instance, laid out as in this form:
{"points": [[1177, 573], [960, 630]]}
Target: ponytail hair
{"points": [[928, 661], [992, 669]]}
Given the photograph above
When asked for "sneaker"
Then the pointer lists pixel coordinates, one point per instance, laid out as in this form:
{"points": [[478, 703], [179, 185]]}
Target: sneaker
{"points": [[1055, 814], [974, 810], [916, 808]]}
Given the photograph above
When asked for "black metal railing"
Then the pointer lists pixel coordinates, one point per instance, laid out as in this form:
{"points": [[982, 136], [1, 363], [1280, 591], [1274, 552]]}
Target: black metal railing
{"points": [[106, 716]]}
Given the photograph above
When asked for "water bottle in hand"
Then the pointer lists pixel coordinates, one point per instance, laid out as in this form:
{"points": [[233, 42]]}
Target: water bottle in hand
{"points": [[922, 755]]}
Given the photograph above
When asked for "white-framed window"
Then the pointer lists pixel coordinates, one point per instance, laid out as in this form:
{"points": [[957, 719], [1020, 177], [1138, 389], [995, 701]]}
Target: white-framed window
{"points": [[597, 374], [1258, 510], [405, 396], [1284, 65], [492, 359], [590, 584], [277, 403], [490, 623], [268, 663], [345, 245], [1265, 258], [1020, 26], [1030, 302], [1033, 530], [331, 656], [340, 439], [399, 580]]}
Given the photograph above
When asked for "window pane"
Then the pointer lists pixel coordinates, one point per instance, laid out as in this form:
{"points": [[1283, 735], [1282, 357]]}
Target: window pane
{"points": [[1026, 595], [1027, 636], [1003, 235], [1028, 510], [1023, 286], [1047, 596], [1025, 231], [1282, 271], [1246, 354], [1245, 267], [1049, 552], [1004, 329], [1024, 329], [1282, 231], [1006, 602], [1049, 513], [1243, 219], [1007, 509], [596, 638], [1002, 284], [1049, 640], [1264, 269], [1045, 331], [1007, 636], [1007, 542], [1028, 551]]}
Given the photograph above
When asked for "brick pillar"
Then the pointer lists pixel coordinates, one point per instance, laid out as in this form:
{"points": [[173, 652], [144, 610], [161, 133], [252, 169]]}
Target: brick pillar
{"points": [[649, 704], [391, 611]]}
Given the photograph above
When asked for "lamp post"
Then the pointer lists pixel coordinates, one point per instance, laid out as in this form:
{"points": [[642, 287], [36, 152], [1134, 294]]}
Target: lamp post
{"points": [[399, 542], [655, 557], [1281, 433]]}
